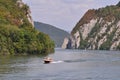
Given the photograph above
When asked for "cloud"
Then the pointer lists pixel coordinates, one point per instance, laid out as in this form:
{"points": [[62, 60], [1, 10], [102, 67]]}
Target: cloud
{"points": [[62, 13]]}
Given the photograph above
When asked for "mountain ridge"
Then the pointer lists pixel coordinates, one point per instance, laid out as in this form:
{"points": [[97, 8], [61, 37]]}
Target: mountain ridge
{"points": [[98, 29], [56, 34]]}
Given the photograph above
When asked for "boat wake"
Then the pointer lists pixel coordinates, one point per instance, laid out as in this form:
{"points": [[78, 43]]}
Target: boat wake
{"points": [[76, 60], [69, 61], [57, 61]]}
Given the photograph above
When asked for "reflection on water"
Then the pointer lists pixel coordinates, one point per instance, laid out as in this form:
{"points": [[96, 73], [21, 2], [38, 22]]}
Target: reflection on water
{"points": [[67, 65]]}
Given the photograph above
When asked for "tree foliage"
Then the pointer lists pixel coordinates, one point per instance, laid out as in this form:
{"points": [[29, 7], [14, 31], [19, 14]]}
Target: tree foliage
{"points": [[19, 37]]}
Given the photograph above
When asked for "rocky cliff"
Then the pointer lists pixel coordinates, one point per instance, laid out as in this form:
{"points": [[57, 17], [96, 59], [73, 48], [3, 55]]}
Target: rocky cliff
{"points": [[27, 11], [98, 29]]}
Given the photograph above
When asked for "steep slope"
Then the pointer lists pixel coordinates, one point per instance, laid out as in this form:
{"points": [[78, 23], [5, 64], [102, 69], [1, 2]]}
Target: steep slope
{"points": [[56, 34], [97, 29], [17, 33]]}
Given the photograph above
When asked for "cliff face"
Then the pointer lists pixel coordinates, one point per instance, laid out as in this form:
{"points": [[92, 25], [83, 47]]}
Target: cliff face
{"points": [[98, 29], [15, 12], [21, 5]]}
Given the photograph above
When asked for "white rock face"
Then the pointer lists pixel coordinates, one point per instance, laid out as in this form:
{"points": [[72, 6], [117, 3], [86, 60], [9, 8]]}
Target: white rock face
{"points": [[65, 42], [20, 3], [104, 39], [77, 39], [116, 38], [86, 28], [28, 12], [30, 19], [115, 44], [111, 29], [103, 29], [118, 24]]}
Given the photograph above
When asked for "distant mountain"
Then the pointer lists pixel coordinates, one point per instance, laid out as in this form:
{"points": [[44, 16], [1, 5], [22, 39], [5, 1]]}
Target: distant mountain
{"points": [[56, 34], [97, 29]]}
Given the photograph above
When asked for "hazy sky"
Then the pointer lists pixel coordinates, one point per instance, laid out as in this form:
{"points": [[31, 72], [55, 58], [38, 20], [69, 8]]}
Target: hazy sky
{"points": [[63, 14]]}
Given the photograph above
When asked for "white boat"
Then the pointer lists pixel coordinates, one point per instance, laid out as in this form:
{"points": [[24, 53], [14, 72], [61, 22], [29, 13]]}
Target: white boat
{"points": [[48, 60]]}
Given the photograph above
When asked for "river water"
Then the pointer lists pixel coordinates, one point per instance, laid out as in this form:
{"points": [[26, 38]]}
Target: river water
{"points": [[67, 65]]}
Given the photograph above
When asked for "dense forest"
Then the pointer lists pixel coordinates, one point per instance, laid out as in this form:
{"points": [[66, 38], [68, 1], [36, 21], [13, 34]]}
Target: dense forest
{"points": [[17, 34]]}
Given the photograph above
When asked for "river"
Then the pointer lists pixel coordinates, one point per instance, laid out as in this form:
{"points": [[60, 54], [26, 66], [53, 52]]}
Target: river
{"points": [[67, 65]]}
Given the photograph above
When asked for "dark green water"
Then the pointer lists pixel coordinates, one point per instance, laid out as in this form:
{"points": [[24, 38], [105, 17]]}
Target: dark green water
{"points": [[67, 65]]}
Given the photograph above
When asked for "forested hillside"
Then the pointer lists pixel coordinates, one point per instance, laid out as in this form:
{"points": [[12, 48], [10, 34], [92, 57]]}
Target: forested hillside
{"points": [[17, 33]]}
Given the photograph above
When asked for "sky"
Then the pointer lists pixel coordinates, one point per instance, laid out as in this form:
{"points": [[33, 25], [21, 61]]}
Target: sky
{"points": [[63, 14]]}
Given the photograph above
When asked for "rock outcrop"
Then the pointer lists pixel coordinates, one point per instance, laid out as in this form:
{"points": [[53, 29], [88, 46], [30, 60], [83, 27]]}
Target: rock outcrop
{"points": [[65, 43], [21, 4], [97, 29]]}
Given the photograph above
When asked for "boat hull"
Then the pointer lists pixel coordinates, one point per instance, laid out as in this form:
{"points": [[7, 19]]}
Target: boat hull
{"points": [[47, 62]]}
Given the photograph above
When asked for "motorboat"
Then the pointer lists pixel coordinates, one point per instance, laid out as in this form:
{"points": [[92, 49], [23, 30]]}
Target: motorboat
{"points": [[48, 60]]}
